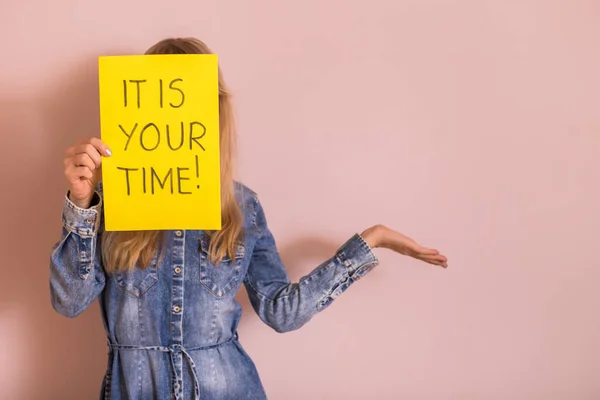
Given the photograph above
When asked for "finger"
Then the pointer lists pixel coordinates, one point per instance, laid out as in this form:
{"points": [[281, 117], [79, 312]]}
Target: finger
{"points": [[100, 146], [96, 143], [438, 263], [416, 247], [75, 174], [437, 260], [435, 256], [85, 160], [418, 251], [90, 150], [425, 251]]}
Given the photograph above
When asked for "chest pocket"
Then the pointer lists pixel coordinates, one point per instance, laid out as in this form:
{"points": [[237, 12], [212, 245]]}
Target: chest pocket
{"points": [[138, 281], [220, 279]]}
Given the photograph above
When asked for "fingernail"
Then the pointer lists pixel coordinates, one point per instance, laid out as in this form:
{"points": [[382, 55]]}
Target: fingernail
{"points": [[108, 152]]}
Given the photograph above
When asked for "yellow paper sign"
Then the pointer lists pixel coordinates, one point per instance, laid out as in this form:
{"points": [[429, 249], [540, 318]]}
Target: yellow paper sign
{"points": [[159, 115]]}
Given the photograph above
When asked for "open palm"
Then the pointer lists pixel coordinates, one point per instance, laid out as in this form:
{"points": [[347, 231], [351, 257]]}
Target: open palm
{"points": [[382, 236]]}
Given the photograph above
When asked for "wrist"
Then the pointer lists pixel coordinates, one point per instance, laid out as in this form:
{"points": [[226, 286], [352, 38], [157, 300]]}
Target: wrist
{"points": [[81, 203], [372, 236]]}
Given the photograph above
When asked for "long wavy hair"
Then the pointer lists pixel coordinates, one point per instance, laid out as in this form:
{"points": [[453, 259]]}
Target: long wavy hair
{"points": [[124, 250]]}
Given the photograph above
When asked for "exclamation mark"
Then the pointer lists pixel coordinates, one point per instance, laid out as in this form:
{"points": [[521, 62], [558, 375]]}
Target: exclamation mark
{"points": [[197, 171]]}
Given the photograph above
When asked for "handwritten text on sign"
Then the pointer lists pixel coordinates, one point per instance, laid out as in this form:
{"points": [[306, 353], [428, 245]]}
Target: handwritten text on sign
{"points": [[160, 117]]}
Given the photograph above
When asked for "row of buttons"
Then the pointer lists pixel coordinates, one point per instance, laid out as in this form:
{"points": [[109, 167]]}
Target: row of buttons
{"points": [[176, 308]]}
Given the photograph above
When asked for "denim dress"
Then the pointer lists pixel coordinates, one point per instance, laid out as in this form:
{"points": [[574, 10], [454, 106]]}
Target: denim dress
{"points": [[172, 327]]}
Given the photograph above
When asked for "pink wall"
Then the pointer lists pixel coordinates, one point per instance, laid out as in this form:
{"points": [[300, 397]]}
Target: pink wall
{"points": [[472, 126]]}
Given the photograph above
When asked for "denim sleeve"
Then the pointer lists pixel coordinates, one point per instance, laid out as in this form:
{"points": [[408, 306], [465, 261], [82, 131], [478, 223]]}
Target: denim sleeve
{"points": [[76, 275], [286, 306]]}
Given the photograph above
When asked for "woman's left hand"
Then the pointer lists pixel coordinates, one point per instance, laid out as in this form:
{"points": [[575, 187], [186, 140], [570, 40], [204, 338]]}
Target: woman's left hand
{"points": [[382, 236]]}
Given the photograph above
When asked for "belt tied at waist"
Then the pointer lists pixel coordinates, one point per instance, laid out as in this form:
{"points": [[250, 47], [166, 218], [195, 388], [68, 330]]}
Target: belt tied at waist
{"points": [[173, 350]]}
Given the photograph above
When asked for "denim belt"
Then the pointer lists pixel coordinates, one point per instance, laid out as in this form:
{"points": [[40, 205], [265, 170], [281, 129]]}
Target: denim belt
{"points": [[172, 350]]}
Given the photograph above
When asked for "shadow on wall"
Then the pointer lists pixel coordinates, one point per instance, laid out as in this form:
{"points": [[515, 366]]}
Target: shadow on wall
{"points": [[60, 358]]}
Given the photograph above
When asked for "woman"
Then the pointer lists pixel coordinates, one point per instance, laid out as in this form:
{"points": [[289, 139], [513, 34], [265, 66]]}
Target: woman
{"points": [[168, 298]]}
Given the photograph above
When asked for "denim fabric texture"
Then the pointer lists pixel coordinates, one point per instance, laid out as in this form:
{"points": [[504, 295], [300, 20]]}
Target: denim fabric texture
{"points": [[172, 327]]}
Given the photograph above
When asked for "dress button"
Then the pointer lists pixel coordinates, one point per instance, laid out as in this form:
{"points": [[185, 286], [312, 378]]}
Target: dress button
{"points": [[177, 270], [89, 220], [178, 233], [176, 309]]}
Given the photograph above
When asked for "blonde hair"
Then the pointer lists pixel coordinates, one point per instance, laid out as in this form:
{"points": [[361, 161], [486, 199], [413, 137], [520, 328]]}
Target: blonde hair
{"points": [[124, 250]]}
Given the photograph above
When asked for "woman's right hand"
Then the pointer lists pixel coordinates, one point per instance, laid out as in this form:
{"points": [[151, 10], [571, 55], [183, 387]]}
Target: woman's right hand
{"points": [[83, 171]]}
